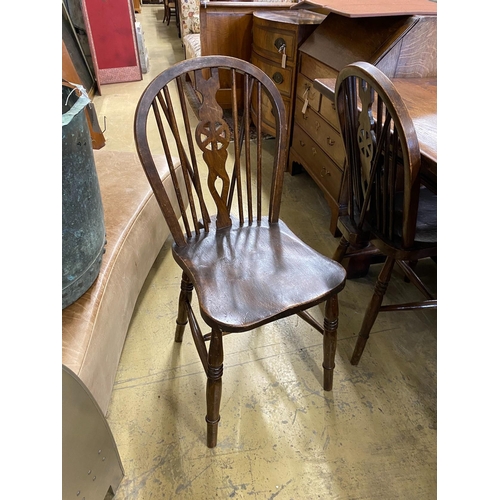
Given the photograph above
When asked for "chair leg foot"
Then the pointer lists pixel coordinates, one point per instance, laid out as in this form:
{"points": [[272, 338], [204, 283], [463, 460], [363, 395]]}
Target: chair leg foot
{"points": [[373, 309], [212, 428], [214, 386], [341, 250], [182, 315], [330, 341], [358, 349]]}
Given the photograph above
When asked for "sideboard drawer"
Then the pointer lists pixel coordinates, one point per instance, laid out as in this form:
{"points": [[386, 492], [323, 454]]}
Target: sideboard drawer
{"points": [[276, 37], [282, 77], [328, 111], [268, 120], [305, 90], [322, 169], [323, 134], [266, 42], [312, 67]]}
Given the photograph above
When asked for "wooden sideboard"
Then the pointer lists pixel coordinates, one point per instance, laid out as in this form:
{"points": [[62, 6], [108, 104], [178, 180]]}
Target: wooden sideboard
{"points": [[401, 46], [226, 29], [276, 39]]}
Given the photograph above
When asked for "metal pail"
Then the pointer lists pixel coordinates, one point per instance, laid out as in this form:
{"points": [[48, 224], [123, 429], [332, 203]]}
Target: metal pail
{"points": [[83, 232]]}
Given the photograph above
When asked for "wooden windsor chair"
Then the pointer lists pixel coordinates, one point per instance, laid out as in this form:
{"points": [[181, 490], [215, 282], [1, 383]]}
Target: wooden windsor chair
{"points": [[382, 201], [169, 8], [244, 264]]}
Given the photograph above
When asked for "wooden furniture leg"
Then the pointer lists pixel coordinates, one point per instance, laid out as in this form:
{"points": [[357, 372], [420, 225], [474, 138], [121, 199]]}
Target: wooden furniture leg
{"points": [[373, 309], [330, 341], [184, 299], [341, 250], [214, 386]]}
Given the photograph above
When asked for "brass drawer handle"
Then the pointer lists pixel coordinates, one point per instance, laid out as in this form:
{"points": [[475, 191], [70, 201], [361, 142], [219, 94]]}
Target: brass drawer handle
{"points": [[278, 77], [317, 126], [302, 143], [281, 46], [314, 152], [324, 172], [329, 141], [308, 92], [279, 43]]}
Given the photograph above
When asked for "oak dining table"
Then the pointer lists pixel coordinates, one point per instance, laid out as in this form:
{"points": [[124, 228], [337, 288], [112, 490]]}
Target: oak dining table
{"points": [[420, 97]]}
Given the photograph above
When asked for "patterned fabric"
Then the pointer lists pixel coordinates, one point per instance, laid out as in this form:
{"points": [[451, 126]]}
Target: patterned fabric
{"points": [[192, 45], [190, 16]]}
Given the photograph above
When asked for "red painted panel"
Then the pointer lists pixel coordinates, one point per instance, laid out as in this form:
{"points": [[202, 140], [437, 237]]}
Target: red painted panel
{"points": [[112, 33]]}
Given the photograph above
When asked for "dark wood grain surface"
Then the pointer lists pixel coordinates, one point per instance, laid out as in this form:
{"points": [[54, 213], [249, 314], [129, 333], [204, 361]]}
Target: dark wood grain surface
{"points": [[420, 97], [374, 8]]}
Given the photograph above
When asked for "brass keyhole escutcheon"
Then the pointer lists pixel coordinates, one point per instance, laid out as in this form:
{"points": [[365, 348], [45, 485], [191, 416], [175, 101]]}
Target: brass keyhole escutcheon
{"points": [[278, 77], [279, 43]]}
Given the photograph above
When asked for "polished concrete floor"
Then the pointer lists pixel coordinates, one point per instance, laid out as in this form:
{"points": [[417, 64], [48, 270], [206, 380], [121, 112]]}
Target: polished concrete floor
{"points": [[281, 436]]}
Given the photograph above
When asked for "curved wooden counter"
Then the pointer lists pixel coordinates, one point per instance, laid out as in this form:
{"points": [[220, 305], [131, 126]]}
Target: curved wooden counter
{"points": [[94, 327]]}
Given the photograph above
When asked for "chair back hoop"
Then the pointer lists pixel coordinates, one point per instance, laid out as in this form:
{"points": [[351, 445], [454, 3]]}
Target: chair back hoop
{"points": [[179, 117], [381, 183]]}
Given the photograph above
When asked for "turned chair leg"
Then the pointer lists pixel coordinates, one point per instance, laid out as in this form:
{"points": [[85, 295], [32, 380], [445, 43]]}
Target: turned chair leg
{"points": [[341, 250], [214, 386], [412, 265], [373, 309], [330, 341], [184, 299]]}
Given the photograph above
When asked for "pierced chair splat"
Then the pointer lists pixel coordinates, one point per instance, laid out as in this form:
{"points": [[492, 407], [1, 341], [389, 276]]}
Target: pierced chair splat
{"points": [[382, 200], [246, 267]]}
